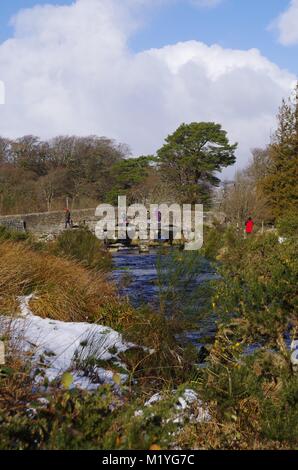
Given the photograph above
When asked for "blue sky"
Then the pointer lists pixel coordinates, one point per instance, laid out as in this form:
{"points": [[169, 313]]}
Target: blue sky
{"points": [[68, 70], [240, 24], [237, 24]]}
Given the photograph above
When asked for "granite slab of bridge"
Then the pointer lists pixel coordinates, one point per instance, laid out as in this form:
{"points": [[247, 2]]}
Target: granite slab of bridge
{"points": [[44, 224]]}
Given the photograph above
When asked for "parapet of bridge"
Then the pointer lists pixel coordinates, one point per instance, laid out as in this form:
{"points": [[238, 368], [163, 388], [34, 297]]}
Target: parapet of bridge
{"points": [[52, 223], [49, 223]]}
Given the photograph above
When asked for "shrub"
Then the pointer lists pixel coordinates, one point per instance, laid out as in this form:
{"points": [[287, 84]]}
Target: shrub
{"points": [[164, 361], [258, 286], [287, 225], [181, 296], [82, 246], [14, 235], [252, 399], [213, 241], [77, 420], [55, 418], [279, 415]]}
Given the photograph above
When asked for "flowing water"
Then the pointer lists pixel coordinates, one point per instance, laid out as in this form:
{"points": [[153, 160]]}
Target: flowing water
{"points": [[136, 276]]}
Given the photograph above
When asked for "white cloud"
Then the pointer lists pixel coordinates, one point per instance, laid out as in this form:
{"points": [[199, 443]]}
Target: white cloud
{"points": [[2, 92], [287, 25], [198, 3], [68, 69]]}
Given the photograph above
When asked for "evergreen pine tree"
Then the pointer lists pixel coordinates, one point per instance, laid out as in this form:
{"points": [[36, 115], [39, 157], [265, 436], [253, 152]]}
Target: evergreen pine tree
{"points": [[281, 185]]}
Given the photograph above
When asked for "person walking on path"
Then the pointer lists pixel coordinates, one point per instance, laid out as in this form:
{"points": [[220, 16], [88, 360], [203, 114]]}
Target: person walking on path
{"points": [[249, 226], [68, 221]]}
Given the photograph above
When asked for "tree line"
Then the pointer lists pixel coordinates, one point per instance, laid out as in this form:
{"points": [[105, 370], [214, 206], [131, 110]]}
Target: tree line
{"points": [[40, 175], [267, 188]]}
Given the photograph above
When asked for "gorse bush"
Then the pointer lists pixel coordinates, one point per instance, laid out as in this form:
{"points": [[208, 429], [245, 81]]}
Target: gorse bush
{"points": [[287, 225], [213, 241], [259, 286], [253, 397], [164, 361], [75, 419], [181, 293], [81, 245], [252, 400]]}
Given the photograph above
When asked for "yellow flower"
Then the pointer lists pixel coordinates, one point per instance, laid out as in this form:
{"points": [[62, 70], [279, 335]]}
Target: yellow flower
{"points": [[155, 447]]}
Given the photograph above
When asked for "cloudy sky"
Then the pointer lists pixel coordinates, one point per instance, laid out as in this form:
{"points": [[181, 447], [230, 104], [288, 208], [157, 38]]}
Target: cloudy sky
{"points": [[134, 70]]}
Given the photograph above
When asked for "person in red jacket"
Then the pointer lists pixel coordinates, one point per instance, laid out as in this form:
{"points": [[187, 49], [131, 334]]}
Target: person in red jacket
{"points": [[249, 226]]}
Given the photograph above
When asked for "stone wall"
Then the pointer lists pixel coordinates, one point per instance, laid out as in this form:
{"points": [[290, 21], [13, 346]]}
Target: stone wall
{"points": [[48, 223], [13, 224], [52, 223]]}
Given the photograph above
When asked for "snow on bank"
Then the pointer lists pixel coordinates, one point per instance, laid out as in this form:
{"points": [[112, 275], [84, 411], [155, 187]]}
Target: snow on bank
{"points": [[188, 406], [58, 346], [294, 355]]}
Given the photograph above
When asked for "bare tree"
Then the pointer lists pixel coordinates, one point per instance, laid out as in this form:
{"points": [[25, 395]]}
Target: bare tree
{"points": [[53, 185], [244, 196]]}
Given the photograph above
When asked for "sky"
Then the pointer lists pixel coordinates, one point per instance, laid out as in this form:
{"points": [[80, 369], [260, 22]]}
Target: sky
{"points": [[133, 70]]}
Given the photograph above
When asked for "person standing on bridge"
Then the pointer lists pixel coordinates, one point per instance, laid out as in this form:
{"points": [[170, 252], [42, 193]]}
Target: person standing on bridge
{"points": [[249, 226], [68, 221]]}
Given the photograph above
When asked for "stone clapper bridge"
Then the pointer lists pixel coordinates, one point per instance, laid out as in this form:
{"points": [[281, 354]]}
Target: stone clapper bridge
{"points": [[47, 225]]}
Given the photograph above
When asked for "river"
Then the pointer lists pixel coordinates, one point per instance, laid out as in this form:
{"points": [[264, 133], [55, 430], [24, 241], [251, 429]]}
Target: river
{"points": [[137, 276]]}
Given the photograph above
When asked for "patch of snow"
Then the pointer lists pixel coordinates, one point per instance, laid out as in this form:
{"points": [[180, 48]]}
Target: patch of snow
{"points": [[294, 358], [294, 355], [57, 347], [154, 399], [188, 406], [24, 302]]}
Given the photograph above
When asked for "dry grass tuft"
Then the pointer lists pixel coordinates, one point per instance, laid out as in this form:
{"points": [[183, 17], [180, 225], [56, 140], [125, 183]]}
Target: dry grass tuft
{"points": [[64, 289]]}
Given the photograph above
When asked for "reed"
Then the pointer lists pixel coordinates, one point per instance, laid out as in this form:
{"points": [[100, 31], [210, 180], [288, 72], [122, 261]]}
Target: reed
{"points": [[64, 289]]}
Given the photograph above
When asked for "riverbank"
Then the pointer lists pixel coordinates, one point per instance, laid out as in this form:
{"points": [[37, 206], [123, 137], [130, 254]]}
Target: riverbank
{"points": [[99, 399]]}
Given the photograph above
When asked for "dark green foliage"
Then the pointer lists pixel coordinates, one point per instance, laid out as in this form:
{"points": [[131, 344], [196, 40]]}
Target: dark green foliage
{"points": [[127, 174], [213, 241], [181, 293], [71, 420], [281, 184], [280, 416], [191, 157], [259, 285], [258, 395], [13, 235], [287, 225], [82, 420]]}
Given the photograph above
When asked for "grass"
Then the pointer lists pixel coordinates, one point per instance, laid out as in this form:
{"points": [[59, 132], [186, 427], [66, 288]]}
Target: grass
{"points": [[64, 290], [164, 362], [253, 403], [14, 235], [81, 245]]}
